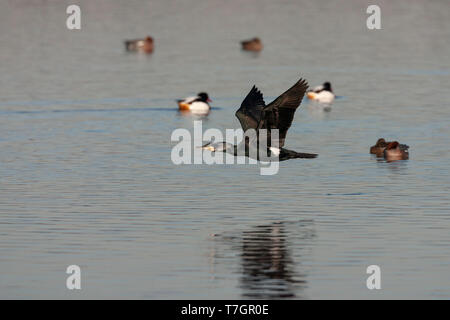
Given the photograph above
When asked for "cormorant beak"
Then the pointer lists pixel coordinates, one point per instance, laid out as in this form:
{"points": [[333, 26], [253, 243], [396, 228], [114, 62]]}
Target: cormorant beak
{"points": [[210, 148]]}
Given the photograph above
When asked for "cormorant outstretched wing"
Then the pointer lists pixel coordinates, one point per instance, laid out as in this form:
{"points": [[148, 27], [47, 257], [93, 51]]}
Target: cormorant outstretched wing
{"points": [[251, 110], [280, 113]]}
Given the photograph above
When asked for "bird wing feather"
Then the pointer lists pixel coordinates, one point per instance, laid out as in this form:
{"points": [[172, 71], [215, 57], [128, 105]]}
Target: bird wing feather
{"points": [[250, 112], [280, 113]]}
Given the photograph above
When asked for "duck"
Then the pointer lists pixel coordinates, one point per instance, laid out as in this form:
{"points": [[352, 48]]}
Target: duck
{"points": [[197, 104], [322, 94], [380, 146], [254, 44], [140, 45], [395, 151]]}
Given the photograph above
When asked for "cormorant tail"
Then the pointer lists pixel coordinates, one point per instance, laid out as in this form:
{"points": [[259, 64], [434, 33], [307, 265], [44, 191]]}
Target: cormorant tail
{"points": [[305, 155], [290, 154]]}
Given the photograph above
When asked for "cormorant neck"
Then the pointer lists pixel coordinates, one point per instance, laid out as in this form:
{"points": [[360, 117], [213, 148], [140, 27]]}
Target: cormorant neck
{"points": [[232, 149]]}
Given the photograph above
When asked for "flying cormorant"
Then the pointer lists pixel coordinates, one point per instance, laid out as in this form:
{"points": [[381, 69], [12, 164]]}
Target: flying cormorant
{"points": [[254, 114]]}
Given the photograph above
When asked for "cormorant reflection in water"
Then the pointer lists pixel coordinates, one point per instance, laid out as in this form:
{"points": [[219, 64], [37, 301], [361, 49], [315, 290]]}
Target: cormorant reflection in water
{"points": [[267, 266]]}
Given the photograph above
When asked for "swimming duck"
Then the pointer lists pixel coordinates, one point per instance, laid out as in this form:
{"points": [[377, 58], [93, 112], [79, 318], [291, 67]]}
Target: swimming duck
{"points": [[378, 148], [197, 104], [140, 45], [254, 44], [395, 151], [322, 94]]}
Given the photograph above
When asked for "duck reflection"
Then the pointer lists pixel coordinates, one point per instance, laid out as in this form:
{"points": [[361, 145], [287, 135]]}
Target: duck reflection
{"points": [[398, 167]]}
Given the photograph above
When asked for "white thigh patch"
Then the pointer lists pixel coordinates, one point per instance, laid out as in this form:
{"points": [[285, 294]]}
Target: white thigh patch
{"points": [[275, 151]]}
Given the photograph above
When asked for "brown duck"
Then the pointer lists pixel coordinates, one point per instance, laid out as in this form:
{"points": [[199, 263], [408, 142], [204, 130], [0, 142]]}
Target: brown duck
{"points": [[254, 44], [378, 148], [140, 45], [395, 151]]}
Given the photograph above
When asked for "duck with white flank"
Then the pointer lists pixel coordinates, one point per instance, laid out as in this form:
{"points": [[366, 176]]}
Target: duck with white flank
{"points": [[197, 104], [254, 114], [140, 45], [323, 94], [395, 151]]}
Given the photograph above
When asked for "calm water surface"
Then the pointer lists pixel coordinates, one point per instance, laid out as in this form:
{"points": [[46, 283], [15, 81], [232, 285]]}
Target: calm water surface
{"points": [[86, 176]]}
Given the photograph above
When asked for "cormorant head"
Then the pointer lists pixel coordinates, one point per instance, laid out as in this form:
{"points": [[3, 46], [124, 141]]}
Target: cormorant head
{"points": [[204, 97], [209, 146], [218, 146]]}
